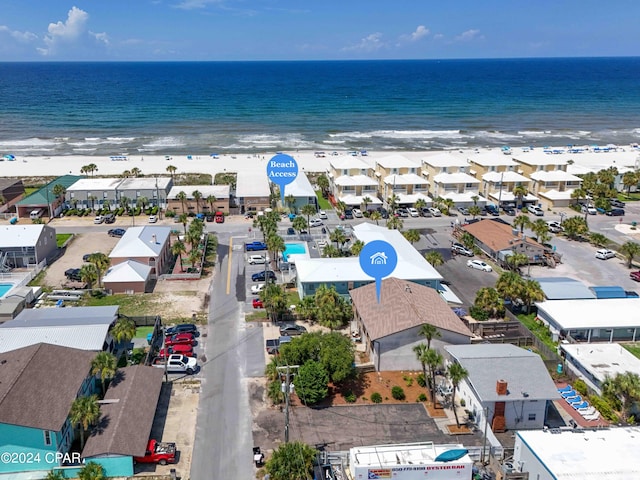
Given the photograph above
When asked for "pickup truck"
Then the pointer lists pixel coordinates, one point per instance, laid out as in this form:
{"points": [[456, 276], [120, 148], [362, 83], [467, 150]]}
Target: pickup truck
{"points": [[158, 452], [177, 364], [255, 246]]}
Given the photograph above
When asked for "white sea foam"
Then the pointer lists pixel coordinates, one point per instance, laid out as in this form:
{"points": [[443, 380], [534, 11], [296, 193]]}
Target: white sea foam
{"points": [[29, 142], [121, 139], [164, 142], [417, 134]]}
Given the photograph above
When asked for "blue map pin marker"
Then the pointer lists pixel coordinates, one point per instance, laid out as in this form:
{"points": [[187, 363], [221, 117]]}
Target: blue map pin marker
{"points": [[282, 170], [378, 259]]}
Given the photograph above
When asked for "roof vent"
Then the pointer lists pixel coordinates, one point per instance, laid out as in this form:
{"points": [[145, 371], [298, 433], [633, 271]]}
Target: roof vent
{"points": [[154, 239], [407, 288]]}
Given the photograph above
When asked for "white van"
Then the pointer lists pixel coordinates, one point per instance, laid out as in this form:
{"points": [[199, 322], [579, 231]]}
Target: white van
{"points": [[36, 213]]}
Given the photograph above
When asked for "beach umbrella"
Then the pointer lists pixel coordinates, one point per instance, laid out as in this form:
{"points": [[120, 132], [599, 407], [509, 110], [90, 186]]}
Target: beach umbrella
{"points": [[9, 157], [461, 312], [214, 155]]}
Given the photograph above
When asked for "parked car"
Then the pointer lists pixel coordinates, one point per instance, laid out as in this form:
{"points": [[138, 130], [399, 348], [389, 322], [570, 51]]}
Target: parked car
{"points": [[322, 215], [272, 345], [109, 218], [479, 265], [87, 256], [291, 231], [492, 210], [614, 202], [554, 226], [424, 211], [459, 249], [183, 328], [73, 274], [635, 276], [177, 364], [402, 212], [257, 303], [257, 260], [315, 222], [414, 212], [158, 452], [292, 329], [179, 349], [255, 246], [116, 232], [590, 209], [463, 211], [180, 339], [535, 210], [616, 212], [435, 212], [357, 213], [256, 289], [509, 211], [604, 254], [384, 213], [260, 276], [153, 218]]}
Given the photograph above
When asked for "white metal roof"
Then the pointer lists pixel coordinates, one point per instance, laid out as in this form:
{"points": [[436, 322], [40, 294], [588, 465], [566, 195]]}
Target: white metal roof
{"points": [[608, 454], [397, 161], [593, 313], [144, 183], [353, 180], [555, 176], [413, 198], [538, 157], [492, 159], [348, 163], [457, 177], [51, 317], [400, 454], [510, 197], [12, 236], [554, 194], [300, 187], [219, 191], [603, 359], [146, 241], [405, 179], [129, 271], [357, 199], [82, 337], [253, 183], [88, 184], [508, 176], [446, 159], [461, 197]]}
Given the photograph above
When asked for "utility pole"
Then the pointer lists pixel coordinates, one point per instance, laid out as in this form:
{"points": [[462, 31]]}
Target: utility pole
{"points": [[287, 387]]}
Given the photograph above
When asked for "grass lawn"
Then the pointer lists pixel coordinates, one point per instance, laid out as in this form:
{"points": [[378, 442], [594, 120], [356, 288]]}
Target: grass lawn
{"points": [[131, 305], [323, 203], [631, 197], [62, 237], [293, 298], [257, 316], [142, 332], [633, 348], [538, 329]]}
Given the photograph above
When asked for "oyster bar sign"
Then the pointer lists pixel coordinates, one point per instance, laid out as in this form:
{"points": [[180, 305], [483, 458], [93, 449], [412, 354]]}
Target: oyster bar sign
{"points": [[446, 471]]}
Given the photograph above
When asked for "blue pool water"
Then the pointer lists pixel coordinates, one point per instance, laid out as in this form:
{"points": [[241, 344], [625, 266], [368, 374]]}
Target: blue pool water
{"points": [[293, 248], [4, 288]]}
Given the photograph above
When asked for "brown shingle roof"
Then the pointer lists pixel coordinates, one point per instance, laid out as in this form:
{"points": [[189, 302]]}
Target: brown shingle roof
{"points": [[496, 235], [403, 305], [39, 383], [124, 426]]}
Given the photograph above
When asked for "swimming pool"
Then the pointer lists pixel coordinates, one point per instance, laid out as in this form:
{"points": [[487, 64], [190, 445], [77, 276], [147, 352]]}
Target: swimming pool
{"points": [[4, 288], [293, 249]]}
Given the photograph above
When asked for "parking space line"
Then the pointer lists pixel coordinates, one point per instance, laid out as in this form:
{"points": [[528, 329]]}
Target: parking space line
{"points": [[230, 258]]}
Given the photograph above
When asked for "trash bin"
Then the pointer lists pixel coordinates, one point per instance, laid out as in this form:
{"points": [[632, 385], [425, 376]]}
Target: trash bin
{"points": [[559, 369]]}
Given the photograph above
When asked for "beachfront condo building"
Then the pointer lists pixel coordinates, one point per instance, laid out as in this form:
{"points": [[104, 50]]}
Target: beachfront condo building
{"points": [[397, 175], [352, 180], [210, 199], [448, 174]]}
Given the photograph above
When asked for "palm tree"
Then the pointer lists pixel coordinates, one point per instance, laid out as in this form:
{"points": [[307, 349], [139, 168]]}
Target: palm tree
{"points": [[92, 199], [429, 332], [182, 196], [598, 239], [55, 475], [366, 201], [91, 471], [578, 194], [338, 236], [434, 258], [59, 191], [412, 235], [92, 168], [394, 223], [299, 224], [433, 359], [126, 174], [475, 199], [275, 244], [356, 247], [197, 195], [194, 257], [136, 172], [89, 274], [474, 211], [629, 180], [540, 228], [519, 191], [323, 183], [308, 210], [468, 240], [211, 200], [420, 204], [290, 200], [123, 331], [457, 374], [392, 203], [630, 250], [624, 390], [517, 259], [124, 203], [447, 204], [509, 285], [375, 216], [101, 262], [521, 221], [104, 366], [178, 248], [184, 219], [274, 300], [84, 412], [331, 252], [489, 300], [421, 350], [171, 169], [531, 292], [332, 311], [142, 202]]}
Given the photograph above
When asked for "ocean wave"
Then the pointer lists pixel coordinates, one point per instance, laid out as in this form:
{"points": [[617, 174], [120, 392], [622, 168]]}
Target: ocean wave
{"points": [[121, 139], [85, 149], [164, 142], [493, 135], [29, 142]]}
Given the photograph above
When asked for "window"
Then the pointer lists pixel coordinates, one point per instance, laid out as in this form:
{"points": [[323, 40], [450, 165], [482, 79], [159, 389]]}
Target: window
{"points": [[492, 168], [47, 437], [532, 417], [105, 194]]}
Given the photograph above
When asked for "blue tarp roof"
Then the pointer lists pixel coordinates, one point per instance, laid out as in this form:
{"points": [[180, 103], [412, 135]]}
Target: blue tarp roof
{"points": [[609, 292]]}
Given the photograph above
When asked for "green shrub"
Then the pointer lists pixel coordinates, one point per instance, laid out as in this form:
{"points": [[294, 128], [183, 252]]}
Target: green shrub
{"points": [[349, 397], [408, 380], [604, 408], [478, 314], [421, 380], [422, 398], [580, 387], [463, 402], [376, 397], [397, 393]]}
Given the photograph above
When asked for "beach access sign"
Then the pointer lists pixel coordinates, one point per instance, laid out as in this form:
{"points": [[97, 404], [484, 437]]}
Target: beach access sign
{"points": [[282, 169]]}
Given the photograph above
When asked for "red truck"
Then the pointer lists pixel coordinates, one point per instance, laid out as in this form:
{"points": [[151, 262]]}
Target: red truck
{"points": [[158, 452]]}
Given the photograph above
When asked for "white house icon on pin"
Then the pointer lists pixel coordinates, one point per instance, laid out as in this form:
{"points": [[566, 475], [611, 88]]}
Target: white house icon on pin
{"points": [[378, 258]]}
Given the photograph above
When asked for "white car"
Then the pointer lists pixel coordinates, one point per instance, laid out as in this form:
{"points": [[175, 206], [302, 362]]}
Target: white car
{"points": [[414, 212], [554, 226], [357, 213], [590, 209], [315, 222], [322, 215], [256, 289], [537, 211], [257, 260], [435, 212], [153, 219], [479, 265], [98, 220], [605, 254]]}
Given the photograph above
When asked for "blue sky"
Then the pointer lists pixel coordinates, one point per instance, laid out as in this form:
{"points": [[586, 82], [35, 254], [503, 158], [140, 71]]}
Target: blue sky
{"points": [[156, 30]]}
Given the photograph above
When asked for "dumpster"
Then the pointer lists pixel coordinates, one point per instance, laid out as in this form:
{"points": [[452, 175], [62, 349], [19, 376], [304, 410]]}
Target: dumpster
{"points": [[13, 221]]}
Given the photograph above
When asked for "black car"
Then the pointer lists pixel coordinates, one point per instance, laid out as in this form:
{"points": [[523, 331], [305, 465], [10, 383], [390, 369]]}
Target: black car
{"points": [[291, 330], [384, 213], [616, 212], [260, 276], [73, 274], [116, 232], [509, 211], [348, 214], [291, 231], [182, 328], [87, 256], [109, 218], [492, 210], [209, 218]]}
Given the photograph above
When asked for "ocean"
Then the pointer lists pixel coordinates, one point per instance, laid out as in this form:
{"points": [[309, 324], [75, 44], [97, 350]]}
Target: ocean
{"points": [[224, 107]]}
